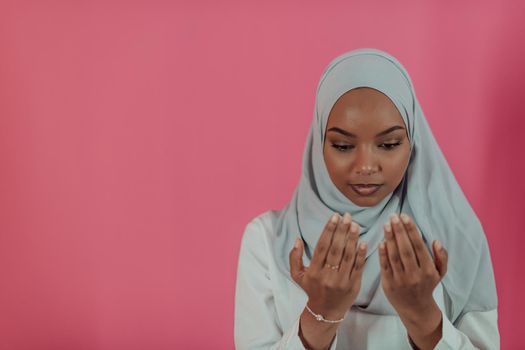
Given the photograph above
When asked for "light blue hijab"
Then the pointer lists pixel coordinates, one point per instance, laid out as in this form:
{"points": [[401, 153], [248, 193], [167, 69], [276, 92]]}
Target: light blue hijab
{"points": [[429, 193]]}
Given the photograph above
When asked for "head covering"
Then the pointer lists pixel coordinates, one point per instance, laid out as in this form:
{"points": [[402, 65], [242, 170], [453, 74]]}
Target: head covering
{"points": [[428, 192]]}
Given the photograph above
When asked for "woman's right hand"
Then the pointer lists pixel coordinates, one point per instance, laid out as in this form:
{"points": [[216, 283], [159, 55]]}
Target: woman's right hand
{"points": [[331, 292]]}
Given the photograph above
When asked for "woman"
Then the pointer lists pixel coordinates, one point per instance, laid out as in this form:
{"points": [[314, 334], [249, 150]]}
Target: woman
{"points": [[378, 247]]}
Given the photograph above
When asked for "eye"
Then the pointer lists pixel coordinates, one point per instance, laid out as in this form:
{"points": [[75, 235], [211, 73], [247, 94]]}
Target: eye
{"points": [[342, 148], [390, 146], [386, 146]]}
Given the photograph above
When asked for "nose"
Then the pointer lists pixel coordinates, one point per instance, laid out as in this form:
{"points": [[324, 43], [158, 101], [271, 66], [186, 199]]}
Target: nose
{"points": [[366, 171], [365, 162]]}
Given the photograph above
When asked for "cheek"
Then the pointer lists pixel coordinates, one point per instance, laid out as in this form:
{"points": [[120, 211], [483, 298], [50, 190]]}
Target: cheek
{"points": [[397, 163], [336, 166]]}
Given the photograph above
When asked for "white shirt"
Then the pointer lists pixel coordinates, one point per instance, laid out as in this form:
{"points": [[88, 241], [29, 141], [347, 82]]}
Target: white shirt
{"points": [[268, 308]]}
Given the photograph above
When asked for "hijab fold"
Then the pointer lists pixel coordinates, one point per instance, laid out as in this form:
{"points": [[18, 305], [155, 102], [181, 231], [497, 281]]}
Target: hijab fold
{"points": [[428, 192]]}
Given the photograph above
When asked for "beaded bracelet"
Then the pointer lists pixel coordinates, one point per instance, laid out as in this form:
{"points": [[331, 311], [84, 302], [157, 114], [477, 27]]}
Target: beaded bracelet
{"points": [[320, 317]]}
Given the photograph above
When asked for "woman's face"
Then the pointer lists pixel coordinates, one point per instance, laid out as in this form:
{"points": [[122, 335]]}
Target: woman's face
{"points": [[366, 143]]}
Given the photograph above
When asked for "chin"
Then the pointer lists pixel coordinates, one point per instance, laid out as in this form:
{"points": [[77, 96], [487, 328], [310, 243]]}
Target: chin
{"points": [[365, 204], [365, 201]]}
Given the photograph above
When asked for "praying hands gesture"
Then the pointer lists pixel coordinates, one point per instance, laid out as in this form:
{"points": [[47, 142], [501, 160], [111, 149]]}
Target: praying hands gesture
{"points": [[409, 276], [331, 281]]}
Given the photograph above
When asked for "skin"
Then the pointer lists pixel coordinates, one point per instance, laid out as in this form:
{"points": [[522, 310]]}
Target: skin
{"points": [[330, 292], [367, 158], [409, 276], [408, 273]]}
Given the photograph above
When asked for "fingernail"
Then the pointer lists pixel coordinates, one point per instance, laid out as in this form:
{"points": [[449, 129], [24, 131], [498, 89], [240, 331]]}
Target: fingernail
{"points": [[438, 245], [354, 227], [335, 218], [362, 245], [346, 218], [404, 218], [387, 227], [297, 243], [394, 218]]}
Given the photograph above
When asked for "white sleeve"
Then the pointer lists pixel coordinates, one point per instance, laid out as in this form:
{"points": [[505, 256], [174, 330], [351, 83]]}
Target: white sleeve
{"points": [[476, 330], [256, 325]]}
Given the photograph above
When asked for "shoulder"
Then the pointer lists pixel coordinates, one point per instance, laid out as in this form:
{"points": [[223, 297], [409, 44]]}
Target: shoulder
{"points": [[265, 221], [258, 232], [261, 227]]}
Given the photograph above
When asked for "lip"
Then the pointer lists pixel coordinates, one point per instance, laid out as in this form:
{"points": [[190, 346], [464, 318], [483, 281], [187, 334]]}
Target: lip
{"points": [[365, 190]]}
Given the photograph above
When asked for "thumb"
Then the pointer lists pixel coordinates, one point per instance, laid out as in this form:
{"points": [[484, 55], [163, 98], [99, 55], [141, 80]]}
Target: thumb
{"points": [[296, 261], [441, 258]]}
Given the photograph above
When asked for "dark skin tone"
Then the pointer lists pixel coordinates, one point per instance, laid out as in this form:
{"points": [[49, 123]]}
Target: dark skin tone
{"points": [[366, 158], [378, 153]]}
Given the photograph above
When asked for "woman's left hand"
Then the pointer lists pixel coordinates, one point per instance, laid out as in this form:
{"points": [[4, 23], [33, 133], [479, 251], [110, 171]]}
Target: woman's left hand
{"points": [[408, 272]]}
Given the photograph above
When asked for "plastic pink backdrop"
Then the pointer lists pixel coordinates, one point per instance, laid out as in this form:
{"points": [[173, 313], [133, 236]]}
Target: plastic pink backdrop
{"points": [[137, 139]]}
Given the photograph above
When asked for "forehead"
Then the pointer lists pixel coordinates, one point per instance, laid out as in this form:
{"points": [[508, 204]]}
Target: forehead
{"points": [[364, 107]]}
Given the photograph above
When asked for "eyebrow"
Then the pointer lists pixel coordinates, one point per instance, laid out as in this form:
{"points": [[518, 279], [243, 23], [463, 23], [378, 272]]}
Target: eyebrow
{"points": [[348, 133]]}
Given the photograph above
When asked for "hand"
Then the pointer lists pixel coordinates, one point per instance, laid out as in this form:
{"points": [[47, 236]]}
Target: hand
{"points": [[409, 276], [331, 291]]}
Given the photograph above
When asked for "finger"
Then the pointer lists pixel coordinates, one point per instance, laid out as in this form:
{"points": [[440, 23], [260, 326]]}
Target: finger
{"points": [[406, 251], [422, 254], [335, 253], [350, 250], [296, 261], [359, 263], [392, 252], [441, 258], [321, 249], [383, 261]]}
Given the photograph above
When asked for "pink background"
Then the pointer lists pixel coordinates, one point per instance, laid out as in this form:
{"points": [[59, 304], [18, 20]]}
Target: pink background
{"points": [[137, 139]]}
